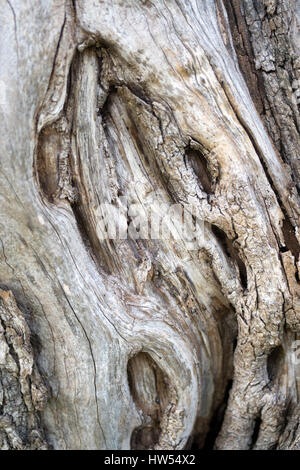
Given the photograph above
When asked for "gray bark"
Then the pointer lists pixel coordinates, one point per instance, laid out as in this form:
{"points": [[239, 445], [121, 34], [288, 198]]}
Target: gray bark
{"points": [[146, 343]]}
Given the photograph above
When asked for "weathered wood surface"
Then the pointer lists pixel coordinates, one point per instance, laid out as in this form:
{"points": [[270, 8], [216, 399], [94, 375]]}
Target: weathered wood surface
{"points": [[140, 341]]}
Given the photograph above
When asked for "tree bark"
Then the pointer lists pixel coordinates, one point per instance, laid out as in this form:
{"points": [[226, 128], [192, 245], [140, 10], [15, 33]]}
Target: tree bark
{"points": [[149, 342]]}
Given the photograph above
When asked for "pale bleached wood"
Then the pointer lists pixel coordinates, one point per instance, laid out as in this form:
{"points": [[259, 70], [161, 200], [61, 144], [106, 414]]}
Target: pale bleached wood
{"points": [[101, 100]]}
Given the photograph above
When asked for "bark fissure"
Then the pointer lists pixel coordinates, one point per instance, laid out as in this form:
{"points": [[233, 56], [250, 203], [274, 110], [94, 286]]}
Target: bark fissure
{"points": [[22, 392]]}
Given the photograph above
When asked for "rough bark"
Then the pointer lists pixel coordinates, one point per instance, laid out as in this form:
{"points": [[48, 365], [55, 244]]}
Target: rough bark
{"points": [[145, 343], [22, 393]]}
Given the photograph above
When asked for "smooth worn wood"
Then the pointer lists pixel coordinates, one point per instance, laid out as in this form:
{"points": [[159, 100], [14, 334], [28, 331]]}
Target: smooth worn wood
{"points": [[147, 342]]}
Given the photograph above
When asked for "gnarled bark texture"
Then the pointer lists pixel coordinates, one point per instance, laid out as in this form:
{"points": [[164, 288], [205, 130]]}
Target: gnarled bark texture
{"points": [[144, 343]]}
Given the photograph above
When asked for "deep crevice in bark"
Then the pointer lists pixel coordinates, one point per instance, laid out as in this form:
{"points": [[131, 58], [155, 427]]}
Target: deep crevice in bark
{"points": [[150, 392], [232, 253], [290, 238], [200, 167], [22, 391], [275, 363], [216, 421], [257, 424]]}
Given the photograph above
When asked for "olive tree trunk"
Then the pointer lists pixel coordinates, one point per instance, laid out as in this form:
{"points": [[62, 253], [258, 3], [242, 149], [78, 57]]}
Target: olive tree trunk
{"points": [[149, 342]]}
